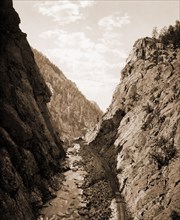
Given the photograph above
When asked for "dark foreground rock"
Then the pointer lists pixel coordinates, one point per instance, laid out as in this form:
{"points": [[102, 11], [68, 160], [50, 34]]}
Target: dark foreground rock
{"points": [[30, 150]]}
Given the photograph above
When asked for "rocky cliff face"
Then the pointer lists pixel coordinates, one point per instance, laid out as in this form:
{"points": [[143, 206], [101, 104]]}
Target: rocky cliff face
{"points": [[30, 150], [140, 133], [72, 113]]}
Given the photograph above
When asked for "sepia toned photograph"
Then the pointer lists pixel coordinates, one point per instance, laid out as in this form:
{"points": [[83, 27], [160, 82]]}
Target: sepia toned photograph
{"points": [[90, 110]]}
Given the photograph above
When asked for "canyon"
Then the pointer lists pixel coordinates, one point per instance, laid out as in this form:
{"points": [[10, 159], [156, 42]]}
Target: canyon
{"points": [[62, 158]]}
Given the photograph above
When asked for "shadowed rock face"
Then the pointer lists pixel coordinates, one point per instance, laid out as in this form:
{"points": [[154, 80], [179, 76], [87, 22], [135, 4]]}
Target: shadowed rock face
{"points": [[30, 150], [146, 141]]}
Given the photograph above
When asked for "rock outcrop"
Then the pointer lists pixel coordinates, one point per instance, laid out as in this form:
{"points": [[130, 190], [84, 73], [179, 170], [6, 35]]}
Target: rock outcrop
{"points": [[30, 150], [140, 133], [72, 113]]}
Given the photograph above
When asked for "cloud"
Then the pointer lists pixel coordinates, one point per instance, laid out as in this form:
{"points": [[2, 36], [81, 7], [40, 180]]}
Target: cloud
{"points": [[116, 20], [85, 3], [112, 39], [48, 34], [91, 57], [64, 12], [82, 58]]}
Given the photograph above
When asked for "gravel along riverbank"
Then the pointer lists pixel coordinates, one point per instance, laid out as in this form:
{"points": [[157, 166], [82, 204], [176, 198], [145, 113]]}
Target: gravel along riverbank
{"points": [[96, 187]]}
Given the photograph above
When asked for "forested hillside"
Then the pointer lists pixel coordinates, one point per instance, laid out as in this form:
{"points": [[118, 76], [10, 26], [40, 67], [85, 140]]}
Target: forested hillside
{"points": [[72, 113]]}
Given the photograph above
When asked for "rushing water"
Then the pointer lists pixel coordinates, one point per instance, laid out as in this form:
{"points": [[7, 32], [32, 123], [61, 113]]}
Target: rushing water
{"points": [[69, 197]]}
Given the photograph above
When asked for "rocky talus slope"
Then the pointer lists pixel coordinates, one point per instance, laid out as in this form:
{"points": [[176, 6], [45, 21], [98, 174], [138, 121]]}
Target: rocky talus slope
{"points": [[30, 150], [72, 113], [140, 133]]}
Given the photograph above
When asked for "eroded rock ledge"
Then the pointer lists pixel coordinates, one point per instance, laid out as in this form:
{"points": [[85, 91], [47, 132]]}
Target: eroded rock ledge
{"points": [[30, 150]]}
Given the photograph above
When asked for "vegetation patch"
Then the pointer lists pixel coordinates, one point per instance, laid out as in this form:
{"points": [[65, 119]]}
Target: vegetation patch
{"points": [[163, 153]]}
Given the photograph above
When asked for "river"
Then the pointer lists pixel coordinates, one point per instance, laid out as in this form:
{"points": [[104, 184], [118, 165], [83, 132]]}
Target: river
{"points": [[87, 192]]}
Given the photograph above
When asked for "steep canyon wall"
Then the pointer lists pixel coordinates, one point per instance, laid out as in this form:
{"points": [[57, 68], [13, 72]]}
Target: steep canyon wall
{"points": [[142, 143], [30, 150]]}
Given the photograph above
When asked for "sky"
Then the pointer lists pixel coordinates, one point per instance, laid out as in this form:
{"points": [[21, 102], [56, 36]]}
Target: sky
{"points": [[90, 40]]}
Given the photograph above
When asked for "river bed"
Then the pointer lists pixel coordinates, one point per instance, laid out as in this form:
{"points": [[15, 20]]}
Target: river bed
{"points": [[70, 197], [78, 186]]}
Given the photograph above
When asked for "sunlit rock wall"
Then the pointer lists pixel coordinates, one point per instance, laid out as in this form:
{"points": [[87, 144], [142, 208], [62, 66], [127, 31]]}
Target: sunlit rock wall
{"points": [[146, 142]]}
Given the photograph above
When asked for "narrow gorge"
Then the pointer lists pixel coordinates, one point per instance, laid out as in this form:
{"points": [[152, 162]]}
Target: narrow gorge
{"points": [[62, 158]]}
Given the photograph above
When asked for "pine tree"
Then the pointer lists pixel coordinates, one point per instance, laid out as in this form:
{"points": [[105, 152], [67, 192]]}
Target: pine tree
{"points": [[155, 33], [170, 35]]}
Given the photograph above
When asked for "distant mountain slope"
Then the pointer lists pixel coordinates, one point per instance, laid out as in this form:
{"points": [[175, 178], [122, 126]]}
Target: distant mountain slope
{"points": [[72, 113]]}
